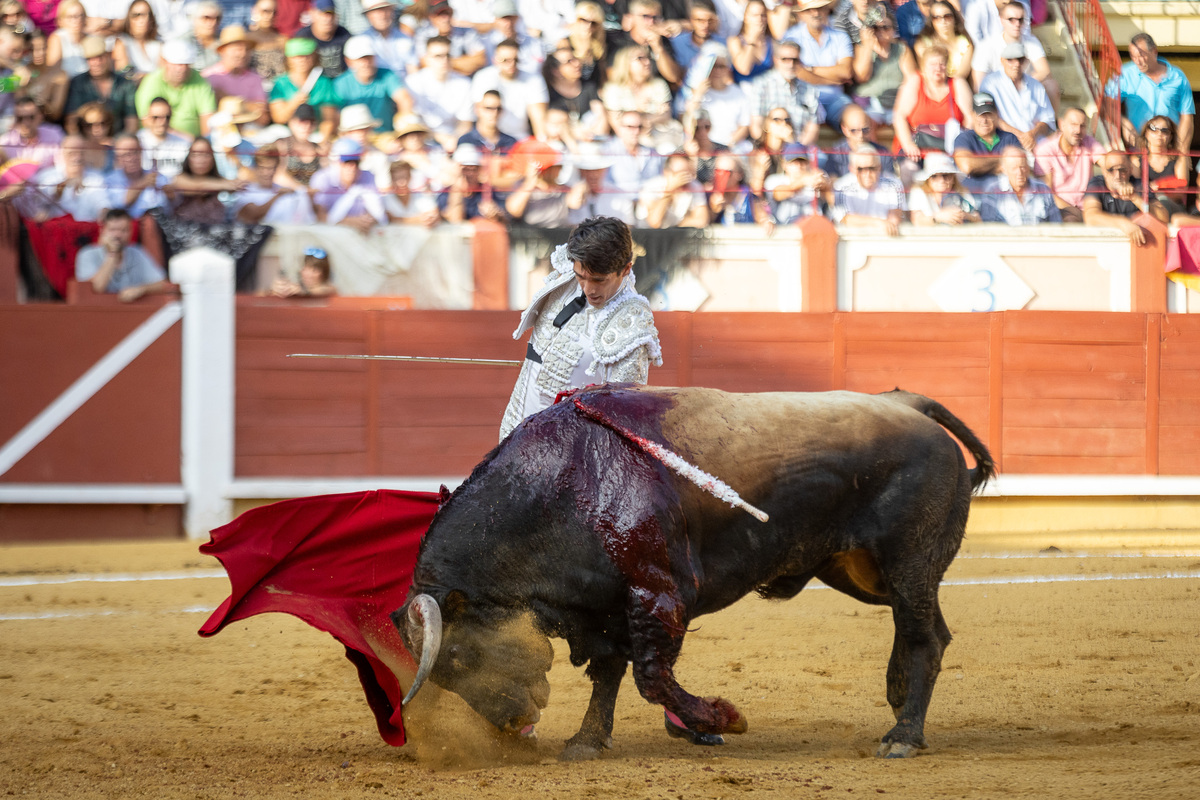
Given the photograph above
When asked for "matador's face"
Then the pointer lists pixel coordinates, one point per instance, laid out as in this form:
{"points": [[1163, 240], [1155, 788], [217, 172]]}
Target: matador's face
{"points": [[599, 288]]}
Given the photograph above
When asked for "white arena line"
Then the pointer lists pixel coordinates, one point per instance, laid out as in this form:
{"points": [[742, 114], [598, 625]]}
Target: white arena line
{"points": [[116, 577], [1025, 579]]}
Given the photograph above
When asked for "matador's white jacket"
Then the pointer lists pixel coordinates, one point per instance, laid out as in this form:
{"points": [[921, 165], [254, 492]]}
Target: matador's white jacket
{"points": [[574, 345]]}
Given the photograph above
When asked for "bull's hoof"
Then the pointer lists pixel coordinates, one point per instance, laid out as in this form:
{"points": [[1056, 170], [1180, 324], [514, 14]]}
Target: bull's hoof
{"points": [[584, 750], [695, 737], [896, 750]]}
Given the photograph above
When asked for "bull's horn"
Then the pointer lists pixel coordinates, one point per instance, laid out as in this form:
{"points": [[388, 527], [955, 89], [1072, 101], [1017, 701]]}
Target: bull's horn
{"points": [[424, 610]]}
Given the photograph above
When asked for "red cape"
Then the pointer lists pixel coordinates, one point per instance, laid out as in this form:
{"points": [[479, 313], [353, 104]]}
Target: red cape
{"points": [[342, 563]]}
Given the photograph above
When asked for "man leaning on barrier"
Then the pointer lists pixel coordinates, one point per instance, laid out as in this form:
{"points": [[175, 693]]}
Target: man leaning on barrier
{"points": [[1114, 198], [1015, 198]]}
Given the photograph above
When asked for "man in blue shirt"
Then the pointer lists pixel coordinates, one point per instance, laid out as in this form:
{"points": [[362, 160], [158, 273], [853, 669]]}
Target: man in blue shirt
{"points": [[380, 90], [1150, 87], [703, 16], [911, 19], [826, 55], [977, 152]]}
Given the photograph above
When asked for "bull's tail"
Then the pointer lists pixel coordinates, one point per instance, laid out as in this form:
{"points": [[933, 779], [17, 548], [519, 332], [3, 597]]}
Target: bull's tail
{"points": [[985, 467]]}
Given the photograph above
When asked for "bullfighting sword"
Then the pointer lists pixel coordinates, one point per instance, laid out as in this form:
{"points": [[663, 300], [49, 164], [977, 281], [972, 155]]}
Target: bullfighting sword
{"points": [[491, 362]]}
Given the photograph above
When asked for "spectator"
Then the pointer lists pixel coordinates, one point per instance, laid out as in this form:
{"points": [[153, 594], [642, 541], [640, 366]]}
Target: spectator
{"points": [[192, 99], [329, 36], [736, 203], [206, 26], [232, 76], [849, 17], [591, 196], [632, 163], [267, 57], [538, 200], [470, 196], [780, 88], [12, 15], [97, 126], [100, 84], [380, 90], [115, 265], [568, 92], [1066, 160], [394, 50], [725, 103], [288, 16], [767, 158], [345, 194], [441, 97], [547, 20], [702, 15], [68, 188], [64, 47], [485, 135], [237, 12], [826, 55], [265, 200], [945, 27], [357, 125], [47, 85], [881, 65], [939, 198], [163, 150], [174, 18], [588, 42], [674, 199], [1166, 170], [1016, 199], [530, 53], [930, 108], [857, 132], [987, 53], [467, 52], [296, 88], [196, 189], [794, 193], [1114, 198], [1151, 86], [130, 185], [632, 86], [31, 139], [403, 205], [558, 136], [702, 148], [313, 281], [428, 162], [982, 18], [781, 19], [642, 26], [750, 50], [524, 94], [977, 152], [13, 71], [864, 198], [911, 19], [300, 157], [137, 50], [1025, 109]]}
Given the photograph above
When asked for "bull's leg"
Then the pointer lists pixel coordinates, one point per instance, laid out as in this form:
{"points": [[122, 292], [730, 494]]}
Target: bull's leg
{"points": [[921, 637], [655, 648], [595, 733]]}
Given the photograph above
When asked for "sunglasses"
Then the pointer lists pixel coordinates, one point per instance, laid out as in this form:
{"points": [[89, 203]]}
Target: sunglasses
{"points": [[1017, 20], [25, 117], [1158, 129], [159, 116], [790, 59], [859, 131], [941, 17], [1116, 170], [781, 119], [866, 169], [489, 108]]}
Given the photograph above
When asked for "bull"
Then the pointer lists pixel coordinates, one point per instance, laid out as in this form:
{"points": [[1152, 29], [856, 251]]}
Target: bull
{"points": [[569, 524]]}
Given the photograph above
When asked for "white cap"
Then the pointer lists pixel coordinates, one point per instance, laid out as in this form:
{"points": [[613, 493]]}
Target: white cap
{"points": [[467, 155], [178, 51], [371, 5], [358, 47]]}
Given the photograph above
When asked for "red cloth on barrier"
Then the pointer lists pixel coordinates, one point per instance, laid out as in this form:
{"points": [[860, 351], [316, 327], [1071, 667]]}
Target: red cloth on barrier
{"points": [[57, 241], [342, 563], [1183, 251]]}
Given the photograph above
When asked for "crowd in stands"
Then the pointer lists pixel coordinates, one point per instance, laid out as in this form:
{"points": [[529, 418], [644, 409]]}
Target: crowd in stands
{"points": [[220, 118]]}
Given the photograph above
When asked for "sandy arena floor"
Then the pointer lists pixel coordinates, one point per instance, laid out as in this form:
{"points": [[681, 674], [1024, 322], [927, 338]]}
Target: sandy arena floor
{"points": [[1087, 686]]}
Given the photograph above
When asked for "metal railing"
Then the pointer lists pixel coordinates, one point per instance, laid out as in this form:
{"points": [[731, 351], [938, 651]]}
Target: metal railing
{"points": [[1099, 59]]}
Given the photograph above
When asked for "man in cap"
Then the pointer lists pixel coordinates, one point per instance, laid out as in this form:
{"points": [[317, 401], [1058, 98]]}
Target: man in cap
{"points": [[590, 197], [441, 97], [380, 90], [394, 49], [101, 84], [1066, 160], [296, 87], [987, 53], [977, 152], [531, 54], [1016, 199], [793, 193], [328, 34], [470, 194], [525, 94], [191, 98], [345, 194], [232, 76], [163, 150], [1024, 106], [467, 52], [864, 198], [827, 56], [1151, 86]]}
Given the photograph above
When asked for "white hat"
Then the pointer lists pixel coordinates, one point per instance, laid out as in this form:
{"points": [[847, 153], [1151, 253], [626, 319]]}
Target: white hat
{"points": [[371, 5], [356, 117], [467, 155], [590, 158], [358, 47], [937, 163], [178, 51]]}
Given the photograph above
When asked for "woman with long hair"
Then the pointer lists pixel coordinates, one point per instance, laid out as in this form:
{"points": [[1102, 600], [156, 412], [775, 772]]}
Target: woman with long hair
{"points": [[300, 157], [137, 50], [750, 52], [938, 198], [47, 84], [700, 146], [64, 47], [767, 158], [927, 104], [563, 73], [633, 87], [1165, 169], [588, 43], [198, 186], [946, 27], [96, 124], [882, 62], [267, 58]]}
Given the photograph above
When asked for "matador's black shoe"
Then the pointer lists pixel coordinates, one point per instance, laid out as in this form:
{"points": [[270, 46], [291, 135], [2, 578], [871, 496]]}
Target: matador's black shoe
{"points": [[695, 737]]}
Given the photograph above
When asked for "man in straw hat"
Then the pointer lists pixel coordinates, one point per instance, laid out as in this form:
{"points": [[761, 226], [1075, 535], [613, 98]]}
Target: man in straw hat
{"points": [[232, 76], [826, 55], [381, 91], [394, 49], [192, 99], [101, 84], [357, 124]]}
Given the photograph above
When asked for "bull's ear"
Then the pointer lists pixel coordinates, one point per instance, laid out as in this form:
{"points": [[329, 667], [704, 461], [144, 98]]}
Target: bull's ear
{"points": [[443, 495], [454, 606]]}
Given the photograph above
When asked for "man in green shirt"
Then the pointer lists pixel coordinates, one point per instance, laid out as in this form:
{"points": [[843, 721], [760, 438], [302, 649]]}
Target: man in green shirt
{"points": [[101, 84], [289, 92], [192, 99]]}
